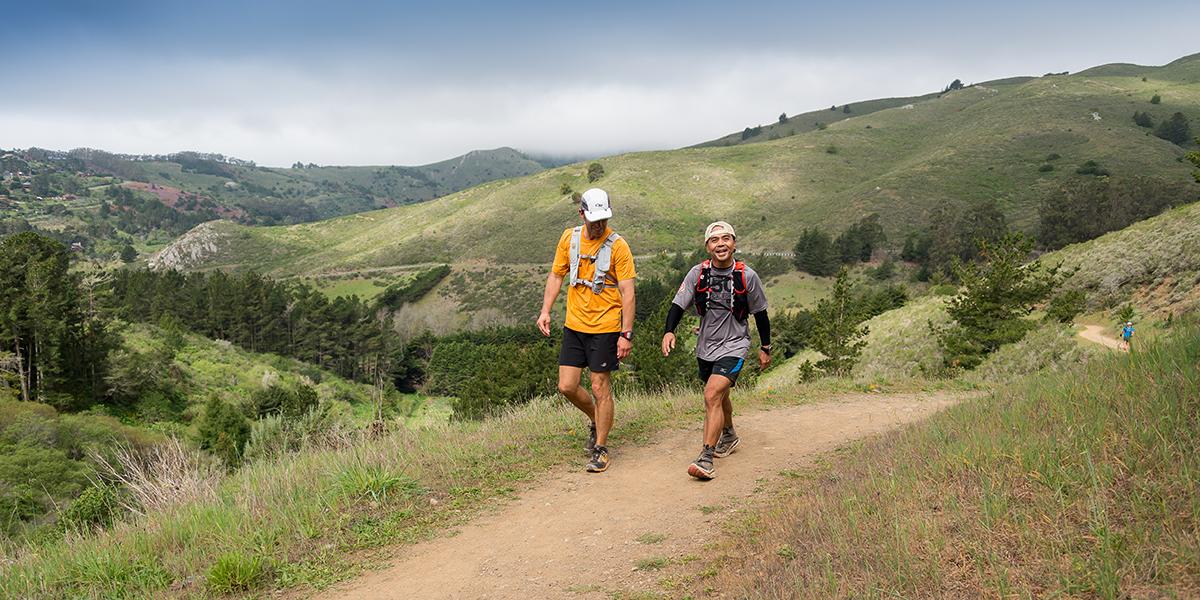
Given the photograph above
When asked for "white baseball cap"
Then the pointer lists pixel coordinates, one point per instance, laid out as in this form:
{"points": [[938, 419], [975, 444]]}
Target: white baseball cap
{"points": [[718, 228], [595, 205]]}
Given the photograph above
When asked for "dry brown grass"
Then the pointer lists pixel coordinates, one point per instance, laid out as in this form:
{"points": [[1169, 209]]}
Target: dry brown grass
{"points": [[161, 477]]}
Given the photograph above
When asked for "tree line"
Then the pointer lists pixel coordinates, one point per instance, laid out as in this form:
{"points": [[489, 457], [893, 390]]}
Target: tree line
{"points": [[344, 335]]}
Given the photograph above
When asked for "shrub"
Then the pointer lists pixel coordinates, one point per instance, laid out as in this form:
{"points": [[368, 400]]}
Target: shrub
{"points": [[1092, 167], [223, 431], [594, 172], [885, 271], [95, 507], [1155, 99], [1066, 306], [1143, 119], [268, 400], [300, 400], [1052, 156], [1046, 168], [27, 473]]}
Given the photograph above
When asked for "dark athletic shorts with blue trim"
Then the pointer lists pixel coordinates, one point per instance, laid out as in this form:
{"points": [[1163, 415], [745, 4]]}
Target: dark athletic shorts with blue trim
{"points": [[728, 366], [596, 351]]}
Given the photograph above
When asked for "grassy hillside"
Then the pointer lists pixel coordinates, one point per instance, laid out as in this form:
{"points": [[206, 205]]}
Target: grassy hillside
{"points": [[1154, 263], [1081, 483], [982, 143]]}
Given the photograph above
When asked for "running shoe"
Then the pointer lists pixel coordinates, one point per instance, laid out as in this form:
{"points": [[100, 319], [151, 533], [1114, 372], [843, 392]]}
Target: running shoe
{"points": [[599, 462], [729, 440], [591, 443], [702, 467]]}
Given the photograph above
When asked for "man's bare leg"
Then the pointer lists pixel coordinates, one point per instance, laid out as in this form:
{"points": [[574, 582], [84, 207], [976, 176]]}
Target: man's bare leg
{"points": [[602, 393], [727, 407], [716, 399], [568, 386]]}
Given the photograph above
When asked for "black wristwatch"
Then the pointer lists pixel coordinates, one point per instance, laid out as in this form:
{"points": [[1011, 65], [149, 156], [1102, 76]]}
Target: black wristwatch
{"points": [[766, 348], [627, 335]]}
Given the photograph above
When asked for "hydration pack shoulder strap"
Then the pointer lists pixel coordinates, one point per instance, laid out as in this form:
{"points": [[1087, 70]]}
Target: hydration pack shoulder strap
{"points": [[602, 259]]}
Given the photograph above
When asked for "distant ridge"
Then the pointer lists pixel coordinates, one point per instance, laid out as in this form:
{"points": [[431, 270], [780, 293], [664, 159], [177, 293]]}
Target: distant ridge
{"points": [[1009, 142]]}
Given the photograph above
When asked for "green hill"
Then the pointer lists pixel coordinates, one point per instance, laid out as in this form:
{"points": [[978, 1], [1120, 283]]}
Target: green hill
{"points": [[264, 195], [1154, 263], [981, 143]]}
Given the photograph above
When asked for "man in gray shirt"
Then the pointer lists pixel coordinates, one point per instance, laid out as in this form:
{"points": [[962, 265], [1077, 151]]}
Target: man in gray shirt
{"points": [[725, 293]]}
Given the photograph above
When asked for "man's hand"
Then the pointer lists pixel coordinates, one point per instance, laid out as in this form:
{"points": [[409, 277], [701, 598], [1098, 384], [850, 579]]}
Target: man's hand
{"points": [[624, 347], [543, 323], [764, 360], [668, 343]]}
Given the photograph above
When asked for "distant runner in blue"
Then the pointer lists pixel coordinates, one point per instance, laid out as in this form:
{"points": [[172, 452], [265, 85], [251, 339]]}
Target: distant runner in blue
{"points": [[1127, 334], [725, 293]]}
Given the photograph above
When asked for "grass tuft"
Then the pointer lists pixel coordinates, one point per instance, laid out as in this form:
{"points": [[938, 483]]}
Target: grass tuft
{"points": [[236, 572]]}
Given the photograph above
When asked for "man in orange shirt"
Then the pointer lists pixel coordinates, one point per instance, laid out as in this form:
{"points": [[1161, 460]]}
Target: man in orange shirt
{"points": [[599, 326]]}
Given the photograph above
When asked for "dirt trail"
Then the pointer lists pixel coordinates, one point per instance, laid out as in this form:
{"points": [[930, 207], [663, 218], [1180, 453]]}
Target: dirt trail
{"points": [[575, 535], [1095, 333]]}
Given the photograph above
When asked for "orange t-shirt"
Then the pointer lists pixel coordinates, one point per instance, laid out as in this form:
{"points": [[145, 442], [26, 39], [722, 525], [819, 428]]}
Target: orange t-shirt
{"points": [[587, 311]]}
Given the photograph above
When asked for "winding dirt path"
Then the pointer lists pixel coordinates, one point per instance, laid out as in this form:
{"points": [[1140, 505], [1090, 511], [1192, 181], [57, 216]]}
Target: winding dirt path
{"points": [[579, 535], [1095, 333]]}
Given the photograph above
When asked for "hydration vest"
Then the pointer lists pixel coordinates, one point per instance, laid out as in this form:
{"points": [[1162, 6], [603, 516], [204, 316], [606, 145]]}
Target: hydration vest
{"points": [[602, 259], [741, 304]]}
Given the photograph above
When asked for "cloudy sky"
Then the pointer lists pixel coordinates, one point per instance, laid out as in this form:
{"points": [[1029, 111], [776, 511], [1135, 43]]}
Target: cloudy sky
{"points": [[405, 83]]}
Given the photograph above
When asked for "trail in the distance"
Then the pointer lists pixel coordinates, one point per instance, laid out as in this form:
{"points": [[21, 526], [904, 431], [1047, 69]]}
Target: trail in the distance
{"points": [[576, 535], [1095, 333]]}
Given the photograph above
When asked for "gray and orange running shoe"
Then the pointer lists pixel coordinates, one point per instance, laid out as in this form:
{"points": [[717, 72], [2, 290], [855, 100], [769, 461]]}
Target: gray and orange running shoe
{"points": [[728, 441], [599, 462], [702, 467]]}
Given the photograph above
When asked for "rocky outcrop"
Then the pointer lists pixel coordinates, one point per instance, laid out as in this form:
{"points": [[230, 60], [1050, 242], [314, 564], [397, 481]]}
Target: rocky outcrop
{"points": [[191, 249]]}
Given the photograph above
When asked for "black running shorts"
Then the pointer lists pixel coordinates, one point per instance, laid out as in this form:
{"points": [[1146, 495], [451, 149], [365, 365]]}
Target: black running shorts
{"points": [[596, 351], [727, 366]]}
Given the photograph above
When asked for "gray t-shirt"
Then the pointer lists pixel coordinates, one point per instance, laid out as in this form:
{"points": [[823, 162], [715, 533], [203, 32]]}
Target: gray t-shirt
{"points": [[721, 334]]}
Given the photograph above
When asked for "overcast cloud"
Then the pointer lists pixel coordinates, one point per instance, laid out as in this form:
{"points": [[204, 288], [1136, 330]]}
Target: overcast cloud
{"points": [[347, 91]]}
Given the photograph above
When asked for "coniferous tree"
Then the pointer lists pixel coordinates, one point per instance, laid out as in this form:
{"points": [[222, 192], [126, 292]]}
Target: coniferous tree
{"points": [[59, 343], [996, 293], [815, 253], [837, 330], [1176, 130]]}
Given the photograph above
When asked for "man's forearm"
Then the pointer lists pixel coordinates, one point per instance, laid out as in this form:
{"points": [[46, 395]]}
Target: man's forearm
{"points": [[628, 304], [553, 286]]}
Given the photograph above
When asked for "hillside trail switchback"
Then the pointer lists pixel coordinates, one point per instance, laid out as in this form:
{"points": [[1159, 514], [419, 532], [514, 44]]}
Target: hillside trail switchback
{"points": [[575, 534], [1095, 333]]}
